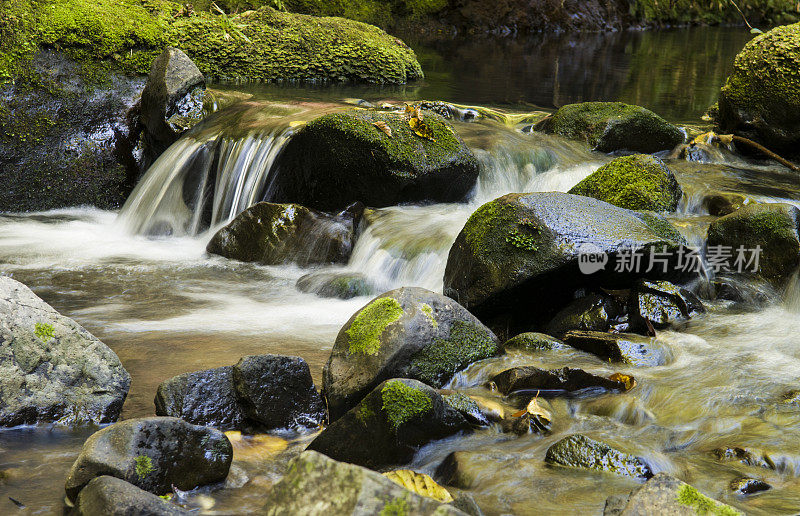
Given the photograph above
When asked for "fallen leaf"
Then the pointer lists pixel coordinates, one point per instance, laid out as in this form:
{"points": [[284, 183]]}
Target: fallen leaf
{"points": [[420, 484], [380, 124], [627, 380], [421, 129]]}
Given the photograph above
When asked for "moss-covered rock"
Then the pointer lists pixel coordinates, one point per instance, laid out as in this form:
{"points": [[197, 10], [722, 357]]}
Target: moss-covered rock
{"points": [[761, 98], [389, 425], [272, 234], [342, 158], [664, 494], [613, 126], [579, 451], [638, 182], [532, 341], [518, 255], [772, 227], [404, 333]]}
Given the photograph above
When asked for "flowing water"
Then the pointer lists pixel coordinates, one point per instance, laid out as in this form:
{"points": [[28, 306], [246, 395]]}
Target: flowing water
{"points": [[141, 281]]}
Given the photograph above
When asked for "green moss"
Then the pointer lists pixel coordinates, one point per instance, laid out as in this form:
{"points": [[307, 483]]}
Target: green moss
{"points": [[396, 507], [462, 403], [534, 342], [428, 311], [402, 403], [365, 332], [638, 182], [144, 466], [487, 231], [365, 414], [467, 343], [661, 226], [703, 505], [44, 331]]}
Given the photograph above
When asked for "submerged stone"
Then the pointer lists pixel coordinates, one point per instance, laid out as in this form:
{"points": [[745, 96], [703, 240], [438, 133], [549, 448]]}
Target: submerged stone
{"points": [[154, 454], [389, 425], [745, 456], [578, 451], [613, 126], [273, 234], [626, 348], [342, 158], [404, 333], [638, 182], [567, 380], [664, 494], [339, 285]]}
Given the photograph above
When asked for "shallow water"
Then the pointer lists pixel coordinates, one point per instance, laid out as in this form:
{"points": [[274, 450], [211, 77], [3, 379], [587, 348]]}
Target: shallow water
{"points": [[165, 307]]}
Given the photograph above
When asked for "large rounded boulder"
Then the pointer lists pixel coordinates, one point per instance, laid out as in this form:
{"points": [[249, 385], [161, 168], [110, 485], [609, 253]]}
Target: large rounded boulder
{"points": [[638, 182], [404, 333], [153, 454], [272, 234], [51, 369], [761, 98], [613, 126], [376, 158], [519, 254]]}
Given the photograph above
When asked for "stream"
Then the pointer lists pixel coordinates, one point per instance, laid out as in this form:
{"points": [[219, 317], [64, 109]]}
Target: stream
{"points": [[166, 307]]}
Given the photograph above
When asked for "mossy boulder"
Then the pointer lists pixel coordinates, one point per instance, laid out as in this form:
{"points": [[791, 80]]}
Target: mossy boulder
{"points": [[404, 333], [154, 454], [273, 234], [342, 158], [637, 182], [761, 98], [613, 126], [664, 494], [532, 341], [625, 348], [342, 285], [517, 256], [316, 485], [389, 425], [109, 495], [772, 227], [579, 451], [555, 381]]}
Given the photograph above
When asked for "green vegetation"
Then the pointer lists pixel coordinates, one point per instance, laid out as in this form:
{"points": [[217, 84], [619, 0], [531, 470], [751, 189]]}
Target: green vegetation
{"points": [[365, 332], [428, 311], [402, 403], [44, 331], [396, 507], [703, 505], [144, 466], [466, 344], [714, 11]]}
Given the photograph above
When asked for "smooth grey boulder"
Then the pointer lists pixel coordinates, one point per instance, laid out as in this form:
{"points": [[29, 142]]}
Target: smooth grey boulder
{"points": [[277, 391], [52, 369], [153, 453], [404, 333], [205, 398], [110, 496], [316, 485], [389, 425], [664, 494], [172, 101]]}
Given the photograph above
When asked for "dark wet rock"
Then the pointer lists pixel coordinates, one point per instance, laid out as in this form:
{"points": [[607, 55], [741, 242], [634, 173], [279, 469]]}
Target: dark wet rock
{"points": [[52, 369], [205, 398], [662, 304], [316, 485], [65, 140], [517, 256], [153, 453], [273, 234], [110, 496], [613, 126], [532, 341], [664, 494], [761, 98], [745, 456], [595, 312], [341, 158], [559, 380], [389, 425], [746, 486], [578, 451], [278, 391], [743, 292], [720, 204], [637, 182], [626, 348], [172, 101], [468, 407], [404, 333], [772, 227], [342, 285]]}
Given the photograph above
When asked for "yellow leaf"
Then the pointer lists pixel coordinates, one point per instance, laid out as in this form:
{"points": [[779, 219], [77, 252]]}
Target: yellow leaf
{"points": [[421, 129], [380, 124], [627, 380], [420, 484], [534, 409]]}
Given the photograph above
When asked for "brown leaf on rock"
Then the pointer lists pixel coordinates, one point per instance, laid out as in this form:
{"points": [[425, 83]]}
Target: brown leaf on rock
{"points": [[380, 124]]}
